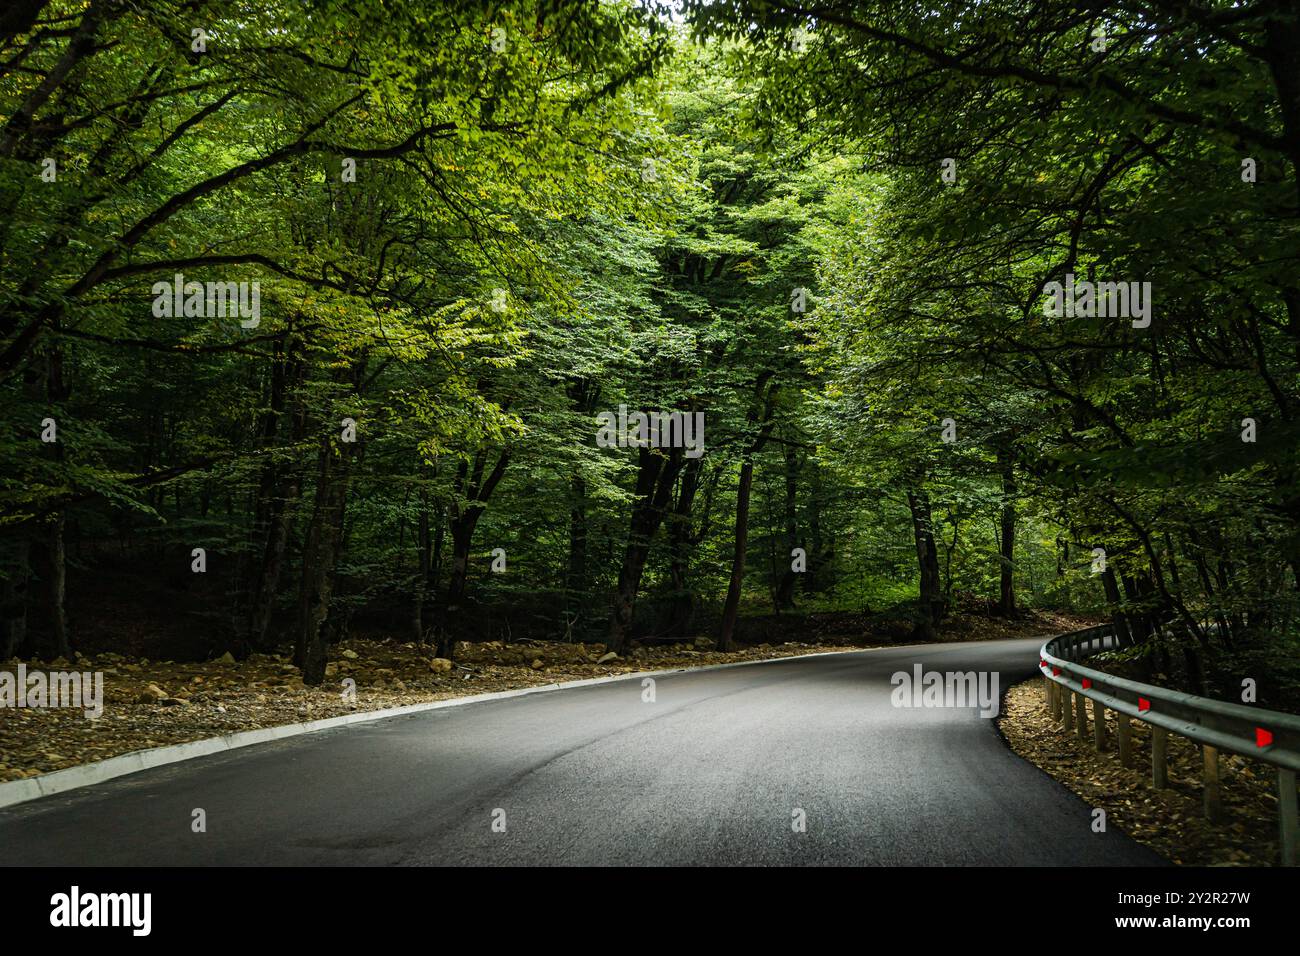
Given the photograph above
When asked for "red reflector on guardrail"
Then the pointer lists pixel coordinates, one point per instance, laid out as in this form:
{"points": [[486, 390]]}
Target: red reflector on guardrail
{"points": [[1086, 683], [1056, 672], [1144, 704], [1263, 737]]}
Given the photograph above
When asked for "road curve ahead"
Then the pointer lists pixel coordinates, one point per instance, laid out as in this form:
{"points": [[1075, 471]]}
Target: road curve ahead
{"points": [[713, 771]]}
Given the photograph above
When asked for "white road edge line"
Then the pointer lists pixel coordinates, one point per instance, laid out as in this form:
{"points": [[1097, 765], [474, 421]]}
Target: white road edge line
{"points": [[86, 775]]}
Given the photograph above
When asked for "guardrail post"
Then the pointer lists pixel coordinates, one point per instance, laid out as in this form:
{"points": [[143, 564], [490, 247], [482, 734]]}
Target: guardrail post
{"points": [[1098, 726], [1213, 792], [1125, 739], [1288, 816], [1081, 716], [1053, 698], [1159, 750], [1067, 709]]}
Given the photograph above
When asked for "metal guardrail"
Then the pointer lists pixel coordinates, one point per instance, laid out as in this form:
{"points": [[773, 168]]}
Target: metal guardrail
{"points": [[1265, 735]]}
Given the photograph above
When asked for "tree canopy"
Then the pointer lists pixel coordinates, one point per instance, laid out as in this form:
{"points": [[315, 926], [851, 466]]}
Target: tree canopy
{"points": [[981, 305]]}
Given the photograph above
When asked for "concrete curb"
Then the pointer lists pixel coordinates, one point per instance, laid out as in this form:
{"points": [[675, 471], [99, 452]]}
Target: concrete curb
{"points": [[86, 775]]}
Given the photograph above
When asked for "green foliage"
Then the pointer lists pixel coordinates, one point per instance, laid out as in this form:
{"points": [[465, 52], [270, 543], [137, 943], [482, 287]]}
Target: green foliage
{"points": [[558, 209]]}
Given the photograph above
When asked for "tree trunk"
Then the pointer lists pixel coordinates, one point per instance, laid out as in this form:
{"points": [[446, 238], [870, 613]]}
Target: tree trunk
{"points": [[13, 607], [785, 587], [278, 493], [819, 576], [320, 554], [654, 485], [462, 534], [731, 610], [681, 606], [584, 394], [423, 569], [476, 491], [49, 571], [929, 591], [47, 558], [575, 579], [267, 585], [1123, 635], [1007, 590], [462, 537]]}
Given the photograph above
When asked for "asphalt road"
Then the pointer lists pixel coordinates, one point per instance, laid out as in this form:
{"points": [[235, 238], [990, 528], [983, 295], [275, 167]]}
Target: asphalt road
{"points": [[712, 772]]}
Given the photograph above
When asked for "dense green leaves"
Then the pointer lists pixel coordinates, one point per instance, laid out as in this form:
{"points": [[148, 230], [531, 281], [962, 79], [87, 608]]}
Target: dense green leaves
{"points": [[830, 229]]}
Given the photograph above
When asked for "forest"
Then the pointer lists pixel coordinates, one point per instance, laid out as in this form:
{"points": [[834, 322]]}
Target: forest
{"points": [[612, 322]]}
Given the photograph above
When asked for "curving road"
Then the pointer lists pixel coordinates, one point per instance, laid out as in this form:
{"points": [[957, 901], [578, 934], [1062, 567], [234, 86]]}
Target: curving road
{"points": [[711, 772]]}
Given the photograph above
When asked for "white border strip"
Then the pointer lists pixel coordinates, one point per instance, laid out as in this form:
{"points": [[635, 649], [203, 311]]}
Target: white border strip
{"points": [[86, 775]]}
